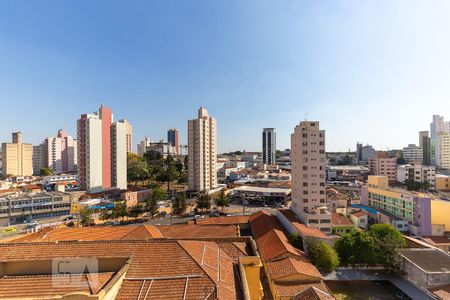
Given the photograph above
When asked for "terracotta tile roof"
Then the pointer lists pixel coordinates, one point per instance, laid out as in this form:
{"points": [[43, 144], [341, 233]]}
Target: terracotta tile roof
{"points": [[217, 264], [359, 214], [194, 269], [292, 289], [194, 231], [313, 293], [96, 233], [270, 237], [434, 240], [234, 220], [52, 285], [340, 220], [304, 230], [292, 266], [442, 292]]}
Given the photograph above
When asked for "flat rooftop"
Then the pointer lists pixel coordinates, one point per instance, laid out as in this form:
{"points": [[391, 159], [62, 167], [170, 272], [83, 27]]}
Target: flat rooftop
{"points": [[429, 260], [247, 188]]}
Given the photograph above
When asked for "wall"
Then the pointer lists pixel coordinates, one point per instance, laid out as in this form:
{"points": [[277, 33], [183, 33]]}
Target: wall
{"points": [[440, 213]]}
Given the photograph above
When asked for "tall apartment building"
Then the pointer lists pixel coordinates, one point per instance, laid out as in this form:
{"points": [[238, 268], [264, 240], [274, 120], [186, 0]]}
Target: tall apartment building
{"points": [[308, 158], [202, 152], [17, 157], [364, 153], [57, 153], [413, 154], [172, 138], [417, 173], [102, 152], [382, 165], [269, 145], [439, 142], [424, 143], [129, 135]]}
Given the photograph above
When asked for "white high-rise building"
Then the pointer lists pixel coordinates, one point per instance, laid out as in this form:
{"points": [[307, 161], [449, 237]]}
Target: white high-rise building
{"points": [[269, 146], [439, 132], [202, 152], [309, 200]]}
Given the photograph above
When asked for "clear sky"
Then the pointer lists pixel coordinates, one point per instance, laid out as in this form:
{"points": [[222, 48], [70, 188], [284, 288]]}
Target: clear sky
{"points": [[370, 71]]}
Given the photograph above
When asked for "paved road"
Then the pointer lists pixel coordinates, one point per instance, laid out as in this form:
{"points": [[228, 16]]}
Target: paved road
{"points": [[408, 288]]}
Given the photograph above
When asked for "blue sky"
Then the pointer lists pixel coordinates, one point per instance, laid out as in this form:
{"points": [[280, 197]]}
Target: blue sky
{"points": [[370, 71]]}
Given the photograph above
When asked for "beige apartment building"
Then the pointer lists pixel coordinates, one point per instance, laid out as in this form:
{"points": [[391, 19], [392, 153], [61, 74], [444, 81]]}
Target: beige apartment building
{"points": [[17, 157], [382, 165], [309, 200], [129, 135], [202, 152]]}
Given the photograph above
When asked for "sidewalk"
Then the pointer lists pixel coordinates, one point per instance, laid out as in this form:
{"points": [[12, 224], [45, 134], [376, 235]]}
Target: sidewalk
{"points": [[408, 288]]}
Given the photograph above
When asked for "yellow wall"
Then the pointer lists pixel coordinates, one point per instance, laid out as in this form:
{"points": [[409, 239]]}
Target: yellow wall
{"points": [[440, 213], [443, 183], [252, 267], [380, 181]]}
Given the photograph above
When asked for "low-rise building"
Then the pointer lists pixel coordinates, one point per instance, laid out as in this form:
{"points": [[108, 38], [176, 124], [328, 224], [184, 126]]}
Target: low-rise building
{"points": [[340, 224], [398, 207], [347, 173], [426, 267], [262, 193], [134, 197], [416, 173], [46, 180], [442, 182], [360, 219], [17, 208]]}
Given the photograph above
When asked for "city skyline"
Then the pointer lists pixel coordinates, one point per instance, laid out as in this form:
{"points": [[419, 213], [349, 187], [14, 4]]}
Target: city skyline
{"points": [[377, 82]]}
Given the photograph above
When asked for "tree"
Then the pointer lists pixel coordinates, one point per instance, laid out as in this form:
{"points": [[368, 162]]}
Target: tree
{"points": [[159, 194], [137, 168], [179, 204], [168, 173], [296, 240], [86, 216], [106, 215], [120, 211], [355, 247], [135, 211], [151, 206], [204, 201], [222, 200], [323, 256], [46, 171], [387, 240]]}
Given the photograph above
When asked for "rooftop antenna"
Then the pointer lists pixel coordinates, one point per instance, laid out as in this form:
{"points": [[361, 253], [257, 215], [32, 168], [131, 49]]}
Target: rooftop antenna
{"points": [[306, 117]]}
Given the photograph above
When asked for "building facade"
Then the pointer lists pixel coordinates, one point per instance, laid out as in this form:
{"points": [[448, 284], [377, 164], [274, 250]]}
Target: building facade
{"points": [[364, 153], [128, 135], [382, 165], [15, 209], [309, 201], [424, 143], [56, 153], [269, 146], [417, 173], [172, 138], [101, 152], [202, 152], [442, 182], [17, 157], [439, 132], [413, 154], [406, 210]]}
